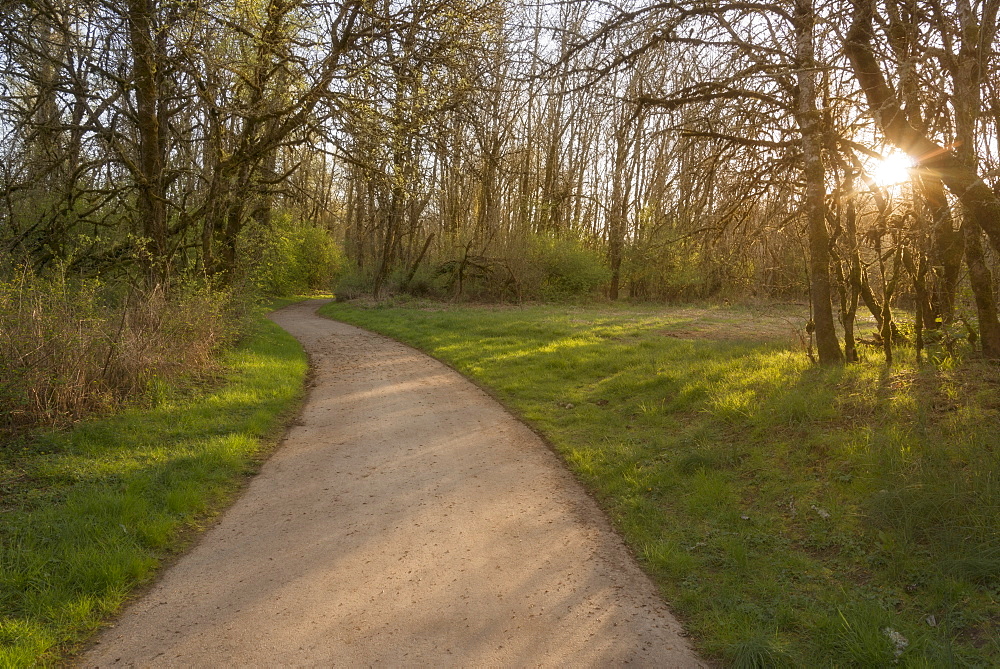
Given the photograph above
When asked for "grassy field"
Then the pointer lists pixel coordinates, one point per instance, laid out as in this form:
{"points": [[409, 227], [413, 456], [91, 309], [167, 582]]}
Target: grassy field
{"points": [[792, 515], [89, 513]]}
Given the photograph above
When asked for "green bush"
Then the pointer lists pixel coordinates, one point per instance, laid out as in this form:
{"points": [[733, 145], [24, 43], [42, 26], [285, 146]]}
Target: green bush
{"points": [[353, 283], [426, 281], [319, 259], [291, 257], [568, 268]]}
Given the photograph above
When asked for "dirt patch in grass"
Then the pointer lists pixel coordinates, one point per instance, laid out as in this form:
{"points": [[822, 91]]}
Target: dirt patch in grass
{"points": [[771, 323]]}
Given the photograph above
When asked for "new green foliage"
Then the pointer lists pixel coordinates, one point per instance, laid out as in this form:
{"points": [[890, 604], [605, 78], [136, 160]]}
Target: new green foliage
{"points": [[289, 256], [567, 268]]}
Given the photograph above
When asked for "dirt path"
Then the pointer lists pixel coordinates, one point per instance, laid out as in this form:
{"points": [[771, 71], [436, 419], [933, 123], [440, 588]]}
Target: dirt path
{"points": [[406, 520]]}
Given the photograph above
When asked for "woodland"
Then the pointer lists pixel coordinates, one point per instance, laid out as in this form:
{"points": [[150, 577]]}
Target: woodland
{"points": [[167, 167], [164, 159]]}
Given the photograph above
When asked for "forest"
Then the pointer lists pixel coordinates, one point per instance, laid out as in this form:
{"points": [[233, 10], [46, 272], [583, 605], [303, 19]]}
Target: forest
{"points": [[499, 151]]}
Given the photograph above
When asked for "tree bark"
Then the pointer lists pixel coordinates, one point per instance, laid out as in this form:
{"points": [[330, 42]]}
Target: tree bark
{"points": [[617, 211], [148, 63], [852, 282], [967, 76], [945, 253], [814, 173], [982, 288]]}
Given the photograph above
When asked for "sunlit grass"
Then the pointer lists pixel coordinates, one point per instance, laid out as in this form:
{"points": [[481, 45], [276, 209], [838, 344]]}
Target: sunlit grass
{"points": [[87, 514], [792, 515]]}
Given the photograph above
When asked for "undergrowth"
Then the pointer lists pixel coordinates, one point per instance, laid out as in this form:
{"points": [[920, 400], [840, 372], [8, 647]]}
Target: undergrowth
{"points": [[792, 515], [73, 346]]}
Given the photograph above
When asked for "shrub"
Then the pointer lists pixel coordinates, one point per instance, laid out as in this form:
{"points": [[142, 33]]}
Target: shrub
{"points": [[569, 269], [72, 346], [353, 283], [291, 257], [319, 259]]}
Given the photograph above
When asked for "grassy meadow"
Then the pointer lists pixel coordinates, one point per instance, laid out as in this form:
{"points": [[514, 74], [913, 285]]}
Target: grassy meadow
{"points": [[792, 515], [88, 513]]}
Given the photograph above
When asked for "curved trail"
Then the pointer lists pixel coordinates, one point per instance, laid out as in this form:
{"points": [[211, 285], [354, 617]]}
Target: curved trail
{"points": [[407, 519]]}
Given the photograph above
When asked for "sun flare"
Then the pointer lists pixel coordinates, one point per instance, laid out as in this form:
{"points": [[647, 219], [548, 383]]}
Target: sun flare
{"points": [[893, 169]]}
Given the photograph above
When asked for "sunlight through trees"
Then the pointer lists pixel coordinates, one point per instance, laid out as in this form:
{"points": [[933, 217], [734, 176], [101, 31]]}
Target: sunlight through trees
{"points": [[693, 150]]}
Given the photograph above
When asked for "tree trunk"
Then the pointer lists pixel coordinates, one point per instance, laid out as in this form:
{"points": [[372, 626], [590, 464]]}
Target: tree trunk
{"points": [[148, 62], [616, 217], [982, 287], [849, 307], [416, 263], [809, 119], [945, 253], [967, 76]]}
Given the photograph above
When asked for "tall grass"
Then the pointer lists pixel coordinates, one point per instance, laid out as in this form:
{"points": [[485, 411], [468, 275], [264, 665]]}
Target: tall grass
{"points": [[72, 346]]}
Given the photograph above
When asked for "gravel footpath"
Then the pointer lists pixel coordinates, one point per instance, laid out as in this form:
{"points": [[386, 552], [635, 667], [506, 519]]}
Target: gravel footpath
{"points": [[407, 519]]}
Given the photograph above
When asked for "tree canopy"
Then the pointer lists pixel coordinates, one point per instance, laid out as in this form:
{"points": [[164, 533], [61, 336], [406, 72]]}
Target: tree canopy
{"points": [[502, 150]]}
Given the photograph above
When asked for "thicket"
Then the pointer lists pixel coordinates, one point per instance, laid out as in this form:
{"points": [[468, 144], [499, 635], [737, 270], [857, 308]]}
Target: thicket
{"points": [[70, 345], [75, 342], [291, 257], [535, 268]]}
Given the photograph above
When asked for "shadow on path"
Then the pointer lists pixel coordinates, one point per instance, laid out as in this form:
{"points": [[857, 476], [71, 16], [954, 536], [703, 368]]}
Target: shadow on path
{"points": [[406, 519]]}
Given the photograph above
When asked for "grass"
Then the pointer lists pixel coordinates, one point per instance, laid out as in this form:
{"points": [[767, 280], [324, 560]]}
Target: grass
{"points": [[87, 514], [792, 515]]}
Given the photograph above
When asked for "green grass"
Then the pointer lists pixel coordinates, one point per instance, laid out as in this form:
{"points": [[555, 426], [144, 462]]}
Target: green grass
{"points": [[88, 514], [792, 515]]}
